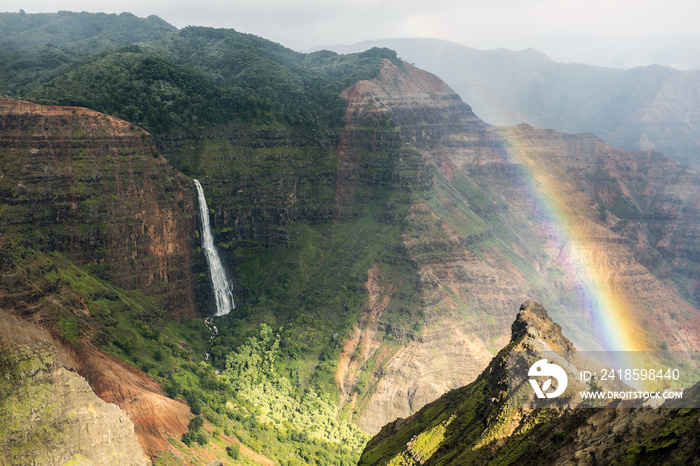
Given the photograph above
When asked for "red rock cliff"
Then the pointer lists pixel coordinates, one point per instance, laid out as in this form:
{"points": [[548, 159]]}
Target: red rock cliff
{"points": [[93, 186], [482, 246]]}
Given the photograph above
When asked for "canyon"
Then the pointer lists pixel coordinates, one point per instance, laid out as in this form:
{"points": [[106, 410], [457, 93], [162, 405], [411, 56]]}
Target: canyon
{"points": [[376, 261]]}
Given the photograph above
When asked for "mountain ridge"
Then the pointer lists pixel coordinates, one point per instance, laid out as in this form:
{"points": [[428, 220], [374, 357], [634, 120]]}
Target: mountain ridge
{"points": [[629, 108], [474, 425]]}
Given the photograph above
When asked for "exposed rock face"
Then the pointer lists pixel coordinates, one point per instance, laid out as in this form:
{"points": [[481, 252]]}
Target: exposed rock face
{"points": [[646, 237], [482, 243], [651, 107], [261, 180], [49, 415], [475, 425], [447, 353], [534, 322], [80, 187], [93, 186], [156, 417]]}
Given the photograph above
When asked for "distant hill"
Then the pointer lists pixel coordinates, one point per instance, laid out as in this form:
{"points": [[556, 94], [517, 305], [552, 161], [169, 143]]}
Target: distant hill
{"points": [[652, 107], [33, 44], [69, 29]]}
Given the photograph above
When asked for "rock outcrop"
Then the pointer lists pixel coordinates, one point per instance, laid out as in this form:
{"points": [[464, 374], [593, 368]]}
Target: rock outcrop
{"points": [[49, 415], [476, 425]]}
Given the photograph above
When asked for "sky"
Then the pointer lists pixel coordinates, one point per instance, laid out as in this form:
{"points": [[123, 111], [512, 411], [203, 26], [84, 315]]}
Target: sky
{"points": [[515, 24]]}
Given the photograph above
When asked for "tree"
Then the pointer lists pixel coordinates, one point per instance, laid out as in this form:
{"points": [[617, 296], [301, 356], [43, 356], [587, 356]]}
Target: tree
{"points": [[196, 423]]}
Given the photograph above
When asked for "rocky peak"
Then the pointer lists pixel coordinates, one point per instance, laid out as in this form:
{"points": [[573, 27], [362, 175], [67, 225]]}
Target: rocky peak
{"points": [[419, 103], [534, 322], [476, 424]]}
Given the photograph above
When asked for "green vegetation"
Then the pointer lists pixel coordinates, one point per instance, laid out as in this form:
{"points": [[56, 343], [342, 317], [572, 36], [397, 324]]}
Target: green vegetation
{"points": [[68, 330], [34, 45], [234, 451], [250, 400], [260, 125], [194, 433], [184, 81], [301, 212]]}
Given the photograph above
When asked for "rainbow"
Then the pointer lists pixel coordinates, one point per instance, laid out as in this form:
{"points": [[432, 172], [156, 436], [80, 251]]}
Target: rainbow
{"points": [[609, 307]]}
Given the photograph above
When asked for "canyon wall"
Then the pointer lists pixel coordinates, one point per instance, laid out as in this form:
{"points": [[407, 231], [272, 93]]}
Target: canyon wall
{"points": [[433, 217], [94, 223], [482, 241], [94, 187]]}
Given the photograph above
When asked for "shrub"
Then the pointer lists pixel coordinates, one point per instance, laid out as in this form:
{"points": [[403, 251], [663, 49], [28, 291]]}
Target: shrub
{"points": [[234, 451], [188, 438], [201, 438], [196, 423]]}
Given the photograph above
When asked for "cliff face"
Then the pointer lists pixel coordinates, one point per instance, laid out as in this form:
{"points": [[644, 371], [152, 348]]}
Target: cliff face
{"points": [[445, 352], [482, 243], [92, 186], [90, 209], [50, 415], [638, 218], [260, 180], [643, 108]]}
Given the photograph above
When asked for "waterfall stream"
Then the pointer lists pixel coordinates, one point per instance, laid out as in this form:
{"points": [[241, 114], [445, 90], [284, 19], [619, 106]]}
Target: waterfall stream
{"points": [[220, 283]]}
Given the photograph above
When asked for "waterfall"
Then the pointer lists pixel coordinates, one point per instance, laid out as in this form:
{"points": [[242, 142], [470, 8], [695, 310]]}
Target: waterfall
{"points": [[222, 288]]}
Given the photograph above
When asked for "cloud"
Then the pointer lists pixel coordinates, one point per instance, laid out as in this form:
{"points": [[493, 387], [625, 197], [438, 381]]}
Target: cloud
{"points": [[305, 23]]}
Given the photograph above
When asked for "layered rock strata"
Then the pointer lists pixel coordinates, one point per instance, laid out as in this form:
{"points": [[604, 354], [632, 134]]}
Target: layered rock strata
{"points": [[88, 203], [482, 240], [94, 187]]}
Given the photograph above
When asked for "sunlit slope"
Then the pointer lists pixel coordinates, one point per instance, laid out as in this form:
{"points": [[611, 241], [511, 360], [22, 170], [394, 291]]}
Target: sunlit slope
{"points": [[476, 425]]}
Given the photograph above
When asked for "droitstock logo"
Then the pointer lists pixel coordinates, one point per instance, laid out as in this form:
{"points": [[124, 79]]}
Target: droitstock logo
{"points": [[544, 369]]}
